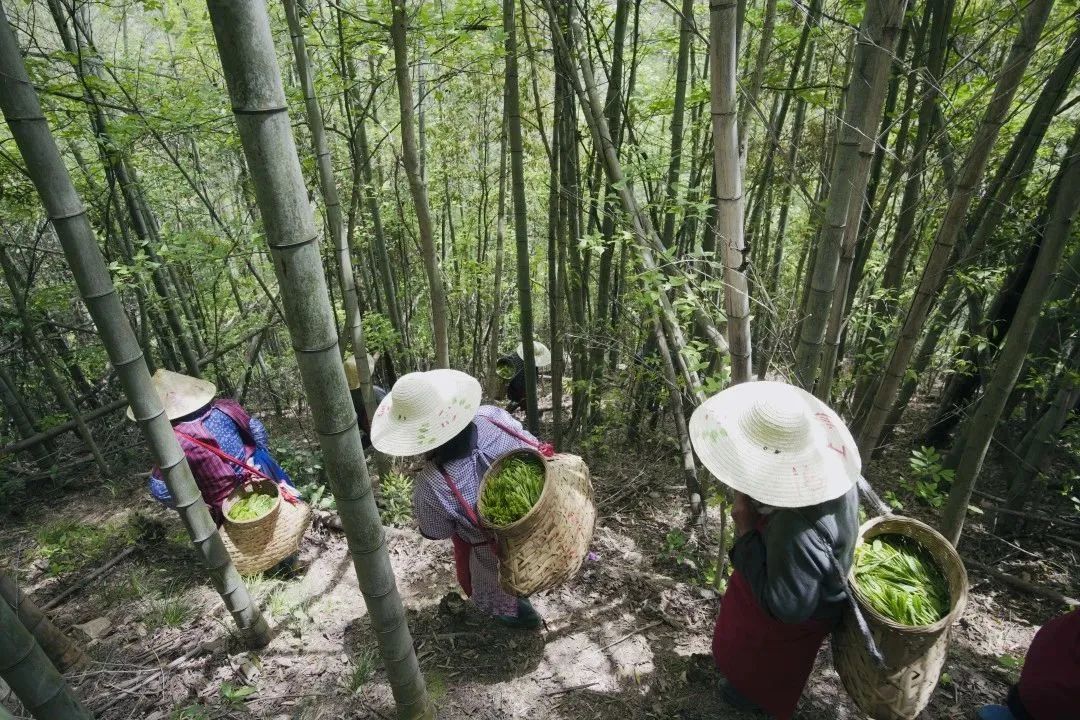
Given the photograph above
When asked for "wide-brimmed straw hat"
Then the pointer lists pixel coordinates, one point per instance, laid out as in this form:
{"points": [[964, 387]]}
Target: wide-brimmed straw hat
{"points": [[258, 545], [423, 411], [352, 372], [180, 394], [541, 354], [776, 443]]}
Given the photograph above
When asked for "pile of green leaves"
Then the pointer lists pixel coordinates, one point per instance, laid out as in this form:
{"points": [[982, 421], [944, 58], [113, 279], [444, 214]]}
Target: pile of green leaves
{"points": [[253, 506], [901, 581], [512, 492]]}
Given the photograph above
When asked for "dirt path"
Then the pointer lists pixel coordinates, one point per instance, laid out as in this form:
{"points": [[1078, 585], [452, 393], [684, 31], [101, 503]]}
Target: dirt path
{"points": [[627, 638]]}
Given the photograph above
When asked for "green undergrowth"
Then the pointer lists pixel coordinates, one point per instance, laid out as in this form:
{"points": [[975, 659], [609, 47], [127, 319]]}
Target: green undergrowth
{"points": [[395, 501], [67, 545]]}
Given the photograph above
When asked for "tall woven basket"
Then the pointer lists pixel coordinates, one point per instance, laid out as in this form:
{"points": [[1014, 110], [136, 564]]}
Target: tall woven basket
{"points": [[261, 543], [913, 655], [547, 546]]}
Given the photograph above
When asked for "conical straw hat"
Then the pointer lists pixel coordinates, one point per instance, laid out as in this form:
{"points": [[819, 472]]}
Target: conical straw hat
{"points": [[423, 411], [180, 394], [776, 443], [541, 354], [352, 372]]}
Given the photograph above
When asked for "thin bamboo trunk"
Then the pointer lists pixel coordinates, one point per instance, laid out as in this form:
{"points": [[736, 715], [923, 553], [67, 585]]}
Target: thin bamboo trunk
{"points": [[378, 236], [1063, 204], [682, 66], [35, 348], [500, 244], [863, 106], [971, 174], [647, 240], [249, 62], [19, 103], [694, 493], [512, 99], [411, 158], [118, 166], [554, 277], [328, 188], [727, 170], [761, 60], [613, 112], [24, 421], [1027, 484]]}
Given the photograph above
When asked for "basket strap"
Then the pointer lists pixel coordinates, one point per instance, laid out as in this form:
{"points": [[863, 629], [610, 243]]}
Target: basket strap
{"points": [[849, 592], [466, 507], [545, 449], [286, 492]]}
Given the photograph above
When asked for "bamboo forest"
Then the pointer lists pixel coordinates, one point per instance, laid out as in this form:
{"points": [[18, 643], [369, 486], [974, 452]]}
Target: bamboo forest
{"points": [[541, 359]]}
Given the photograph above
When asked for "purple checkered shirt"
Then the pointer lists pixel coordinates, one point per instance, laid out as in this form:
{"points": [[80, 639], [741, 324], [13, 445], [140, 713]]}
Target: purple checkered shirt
{"points": [[440, 515]]}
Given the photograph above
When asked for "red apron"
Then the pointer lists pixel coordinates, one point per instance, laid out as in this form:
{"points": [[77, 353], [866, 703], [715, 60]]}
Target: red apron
{"points": [[766, 660], [462, 547]]}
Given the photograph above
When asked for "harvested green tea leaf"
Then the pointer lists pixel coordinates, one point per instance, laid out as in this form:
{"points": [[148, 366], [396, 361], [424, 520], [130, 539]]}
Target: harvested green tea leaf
{"points": [[251, 507], [510, 493], [901, 581]]}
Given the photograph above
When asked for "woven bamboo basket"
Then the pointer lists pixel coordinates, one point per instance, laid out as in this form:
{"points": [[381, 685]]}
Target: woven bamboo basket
{"points": [[913, 655], [261, 543], [547, 546]]}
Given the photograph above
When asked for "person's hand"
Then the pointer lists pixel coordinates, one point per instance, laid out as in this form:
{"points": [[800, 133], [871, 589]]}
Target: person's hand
{"points": [[744, 513]]}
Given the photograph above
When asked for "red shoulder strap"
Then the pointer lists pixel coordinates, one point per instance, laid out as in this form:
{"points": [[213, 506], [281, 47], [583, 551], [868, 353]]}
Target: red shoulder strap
{"points": [[545, 449], [288, 493], [465, 506]]}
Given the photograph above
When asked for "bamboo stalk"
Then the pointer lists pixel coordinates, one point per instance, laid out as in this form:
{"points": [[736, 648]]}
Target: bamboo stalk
{"points": [[248, 59], [23, 664], [22, 111]]}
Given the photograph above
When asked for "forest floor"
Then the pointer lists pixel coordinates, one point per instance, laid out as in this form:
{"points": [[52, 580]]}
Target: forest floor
{"points": [[629, 637]]}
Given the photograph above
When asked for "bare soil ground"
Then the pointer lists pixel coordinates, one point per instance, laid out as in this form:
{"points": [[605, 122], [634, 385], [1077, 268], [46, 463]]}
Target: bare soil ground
{"points": [[627, 638]]}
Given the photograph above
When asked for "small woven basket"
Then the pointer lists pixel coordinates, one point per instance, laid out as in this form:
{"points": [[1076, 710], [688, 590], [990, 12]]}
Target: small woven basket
{"points": [[548, 545], [261, 543], [913, 656]]}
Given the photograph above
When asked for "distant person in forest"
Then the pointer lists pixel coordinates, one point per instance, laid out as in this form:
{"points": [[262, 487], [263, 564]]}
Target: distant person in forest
{"points": [[352, 373], [438, 415], [793, 466], [1049, 687], [512, 369], [219, 438]]}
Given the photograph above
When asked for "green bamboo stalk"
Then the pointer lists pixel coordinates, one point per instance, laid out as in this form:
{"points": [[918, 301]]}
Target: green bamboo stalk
{"points": [[23, 664], [249, 61], [58, 647], [22, 111]]}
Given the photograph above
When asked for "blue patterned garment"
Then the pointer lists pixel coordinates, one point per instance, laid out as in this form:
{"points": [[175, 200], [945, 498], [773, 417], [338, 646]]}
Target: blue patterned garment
{"points": [[227, 434]]}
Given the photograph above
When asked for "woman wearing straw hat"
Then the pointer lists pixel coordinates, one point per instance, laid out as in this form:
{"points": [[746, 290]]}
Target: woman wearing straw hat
{"points": [[512, 368], [352, 374], [221, 441], [437, 414], [793, 466]]}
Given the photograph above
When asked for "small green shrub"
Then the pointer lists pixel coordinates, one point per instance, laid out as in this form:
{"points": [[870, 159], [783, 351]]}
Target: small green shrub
{"points": [[170, 610], [928, 476], [363, 669], [396, 496], [235, 694], [67, 545]]}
